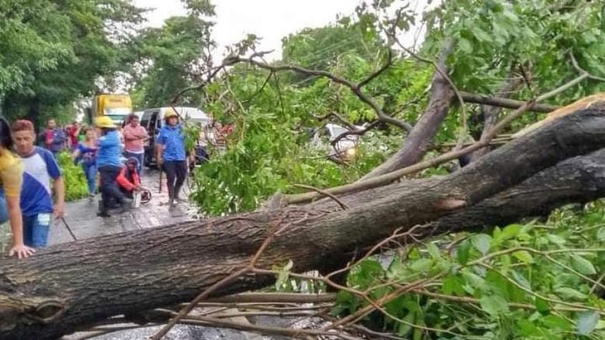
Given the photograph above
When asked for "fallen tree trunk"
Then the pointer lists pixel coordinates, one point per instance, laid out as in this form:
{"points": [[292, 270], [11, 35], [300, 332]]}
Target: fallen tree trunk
{"points": [[576, 180], [68, 287]]}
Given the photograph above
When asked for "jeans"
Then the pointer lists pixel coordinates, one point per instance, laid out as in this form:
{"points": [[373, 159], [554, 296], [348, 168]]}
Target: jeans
{"points": [[35, 230], [176, 172], [3, 209], [138, 156], [90, 171], [109, 187]]}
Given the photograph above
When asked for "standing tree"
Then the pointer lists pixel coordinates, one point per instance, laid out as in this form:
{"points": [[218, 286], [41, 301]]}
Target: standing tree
{"points": [[57, 50]]}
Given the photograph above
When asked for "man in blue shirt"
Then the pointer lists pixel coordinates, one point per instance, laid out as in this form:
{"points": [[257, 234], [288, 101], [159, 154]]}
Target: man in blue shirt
{"points": [[39, 167], [109, 165], [171, 155]]}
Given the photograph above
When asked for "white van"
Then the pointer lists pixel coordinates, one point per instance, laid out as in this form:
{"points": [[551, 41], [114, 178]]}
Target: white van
{"points": [[153, 119]]}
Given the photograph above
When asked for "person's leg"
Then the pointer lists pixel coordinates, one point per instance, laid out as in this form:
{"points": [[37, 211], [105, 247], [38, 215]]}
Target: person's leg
{"points": [[181, 175], [90, 173], [28, 230], [140, 157], [3, 209], [105, 192], [40, 226], [114, 172], [169, 168]]}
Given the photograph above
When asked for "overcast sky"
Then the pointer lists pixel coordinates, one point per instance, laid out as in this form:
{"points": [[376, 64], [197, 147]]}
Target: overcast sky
{"points": [[269, 19]]}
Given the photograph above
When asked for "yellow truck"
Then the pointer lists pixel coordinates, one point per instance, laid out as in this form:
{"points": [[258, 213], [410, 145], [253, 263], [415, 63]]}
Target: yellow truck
{"points": [[115, 106]]}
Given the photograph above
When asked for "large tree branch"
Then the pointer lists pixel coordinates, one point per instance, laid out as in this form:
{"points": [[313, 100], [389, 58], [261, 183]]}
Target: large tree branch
{"points": [[503, 102], [485, 140], [419, 139], [69, 286], [355, 88]]}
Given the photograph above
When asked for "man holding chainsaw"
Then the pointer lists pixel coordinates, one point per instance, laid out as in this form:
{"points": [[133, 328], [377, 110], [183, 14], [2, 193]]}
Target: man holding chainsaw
{"points": [[128, 179]]}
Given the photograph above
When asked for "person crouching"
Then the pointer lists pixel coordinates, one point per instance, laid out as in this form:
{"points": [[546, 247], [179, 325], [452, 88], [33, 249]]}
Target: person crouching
{"points": [[128, 179]]}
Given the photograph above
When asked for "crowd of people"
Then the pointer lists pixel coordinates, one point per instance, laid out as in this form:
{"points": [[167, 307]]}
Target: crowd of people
{"points": [[30, 176]]}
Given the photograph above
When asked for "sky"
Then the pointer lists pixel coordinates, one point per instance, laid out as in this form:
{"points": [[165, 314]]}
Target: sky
{"points": [[269, 19]]}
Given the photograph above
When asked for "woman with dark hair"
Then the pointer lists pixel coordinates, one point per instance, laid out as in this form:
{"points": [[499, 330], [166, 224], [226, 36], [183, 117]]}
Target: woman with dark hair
{"points": [[109, 164], [11, 175], [85, 154]]}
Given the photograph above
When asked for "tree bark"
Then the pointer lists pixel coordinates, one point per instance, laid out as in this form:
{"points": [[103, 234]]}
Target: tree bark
{"points": [[68, 287], [418, 141]]}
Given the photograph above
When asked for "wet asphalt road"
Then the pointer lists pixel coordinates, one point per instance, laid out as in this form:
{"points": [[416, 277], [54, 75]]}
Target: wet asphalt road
{"points": [[81, 216]]}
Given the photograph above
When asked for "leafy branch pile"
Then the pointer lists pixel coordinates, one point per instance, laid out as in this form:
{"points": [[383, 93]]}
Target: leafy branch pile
{"points": [[530, 281]]}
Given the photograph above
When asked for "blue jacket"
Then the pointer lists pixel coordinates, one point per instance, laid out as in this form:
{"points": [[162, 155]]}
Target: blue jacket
{"points": [[110, 150], [173, 140]]}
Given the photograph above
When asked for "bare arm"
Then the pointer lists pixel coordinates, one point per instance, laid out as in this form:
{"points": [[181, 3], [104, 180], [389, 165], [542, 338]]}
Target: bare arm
{"points": [[16, 221], [59, 188], [159, 150], [75, 154]]}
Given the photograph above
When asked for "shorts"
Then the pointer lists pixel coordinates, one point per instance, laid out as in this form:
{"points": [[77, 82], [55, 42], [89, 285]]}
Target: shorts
{"points": [[35, 230]]}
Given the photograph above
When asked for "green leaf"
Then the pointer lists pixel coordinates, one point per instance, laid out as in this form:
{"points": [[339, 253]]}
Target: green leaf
{"points": [[494, 305], [473, 280], [481, 242], [586, 322], [542, 306], [481, 35], [510, 231], [421, 265], [463, 253], [556, 239], [523, 256], [521, 279], [556, 322], [465, 46], [570, 293], [582, 265], [601, 232], [453, 285]]}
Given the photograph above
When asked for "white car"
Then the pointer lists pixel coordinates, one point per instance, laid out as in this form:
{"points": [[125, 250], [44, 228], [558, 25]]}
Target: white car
{"points": [[342, 150]]}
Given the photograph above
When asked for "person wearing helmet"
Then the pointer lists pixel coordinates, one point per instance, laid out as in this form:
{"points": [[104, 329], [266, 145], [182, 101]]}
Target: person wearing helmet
{"points": [[109, 165], [171, 155]]}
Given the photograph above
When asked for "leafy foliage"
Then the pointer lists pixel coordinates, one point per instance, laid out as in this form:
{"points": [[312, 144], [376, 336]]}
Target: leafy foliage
{"points": [[173, 57], [73, 178], [55, 51], [528, 281]]}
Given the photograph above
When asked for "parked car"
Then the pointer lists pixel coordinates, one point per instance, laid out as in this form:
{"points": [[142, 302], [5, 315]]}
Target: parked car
{"points": [[343, 150], [153, 119]]}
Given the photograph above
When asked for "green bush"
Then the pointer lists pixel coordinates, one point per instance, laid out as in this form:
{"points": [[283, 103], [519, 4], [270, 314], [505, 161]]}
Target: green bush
{"points": [[73, 177]]}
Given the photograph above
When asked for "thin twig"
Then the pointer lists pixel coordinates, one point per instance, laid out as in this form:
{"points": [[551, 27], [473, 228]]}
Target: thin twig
{"points": [[342, 205]]}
